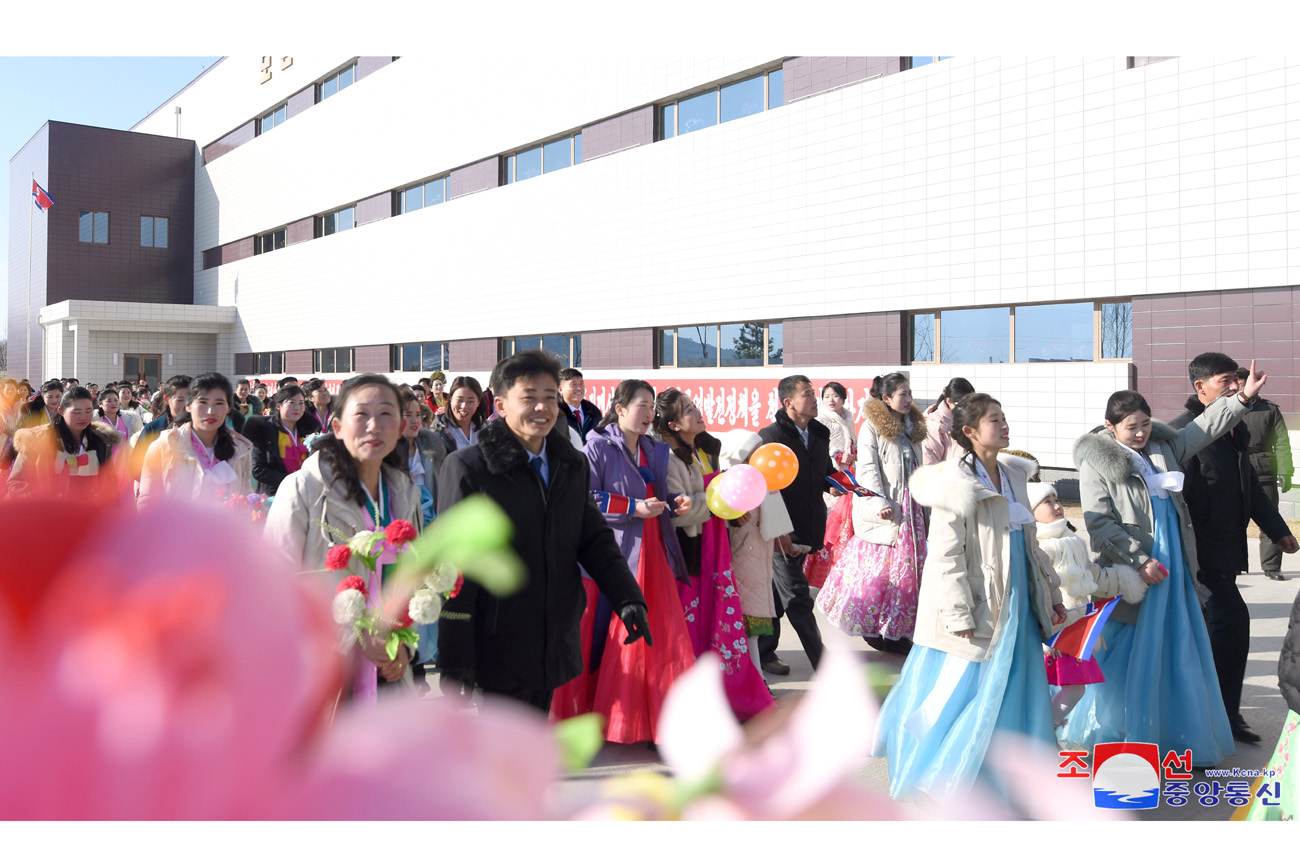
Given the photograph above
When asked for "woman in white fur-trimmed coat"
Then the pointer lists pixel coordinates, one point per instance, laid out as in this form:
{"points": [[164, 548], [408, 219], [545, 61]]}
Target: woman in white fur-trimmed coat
{"points": [[988, 600]]}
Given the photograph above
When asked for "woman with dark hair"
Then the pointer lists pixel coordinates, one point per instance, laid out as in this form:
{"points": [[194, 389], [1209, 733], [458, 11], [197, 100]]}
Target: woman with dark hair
{"points": [[626, 683], [1161, 683], [422, 452], [872, 589], [320, 398], [838, 419], [199, 455], [70, 456], [988, 600], [459, 426], [279, 438], [710, 600], [110, 411], [939, 445], [353, 481]]}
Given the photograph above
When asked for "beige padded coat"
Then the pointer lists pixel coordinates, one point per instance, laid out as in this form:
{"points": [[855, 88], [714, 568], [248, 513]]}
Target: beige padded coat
{"points": [[967, 566], [885, 454]]}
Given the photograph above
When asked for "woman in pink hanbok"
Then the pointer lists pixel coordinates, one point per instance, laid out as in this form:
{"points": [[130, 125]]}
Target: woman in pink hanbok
{"points": [[872, 589], [711, 601]]}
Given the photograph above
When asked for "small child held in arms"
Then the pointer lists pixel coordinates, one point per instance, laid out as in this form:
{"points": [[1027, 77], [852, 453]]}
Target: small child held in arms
{"points": [[1081, 579]]}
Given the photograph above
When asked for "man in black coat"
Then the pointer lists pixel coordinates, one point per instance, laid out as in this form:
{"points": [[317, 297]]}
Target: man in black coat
{"points": [[583, 415], [796, 427], [1270, 454], [526, 645], [1223, 495]]}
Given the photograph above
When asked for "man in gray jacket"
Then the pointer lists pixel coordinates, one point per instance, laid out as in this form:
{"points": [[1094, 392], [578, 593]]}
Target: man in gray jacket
{"points": [[1270, 455]]}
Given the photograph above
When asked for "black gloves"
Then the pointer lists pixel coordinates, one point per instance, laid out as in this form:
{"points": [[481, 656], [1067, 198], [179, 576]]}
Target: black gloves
{"points": [[634, 617]]}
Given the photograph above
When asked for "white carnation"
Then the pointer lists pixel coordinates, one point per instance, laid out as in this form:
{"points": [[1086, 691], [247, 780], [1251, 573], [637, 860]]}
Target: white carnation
{"points": [[442, 579], [348, 607], [425, 606]]}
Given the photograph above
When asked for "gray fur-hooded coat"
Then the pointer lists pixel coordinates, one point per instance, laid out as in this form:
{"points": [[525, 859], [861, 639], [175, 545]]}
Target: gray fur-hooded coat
{"points": [[1116, 503]]}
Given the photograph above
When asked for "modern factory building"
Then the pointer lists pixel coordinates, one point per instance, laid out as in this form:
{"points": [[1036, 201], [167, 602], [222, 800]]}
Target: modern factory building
{"points": [[1053, 229]]}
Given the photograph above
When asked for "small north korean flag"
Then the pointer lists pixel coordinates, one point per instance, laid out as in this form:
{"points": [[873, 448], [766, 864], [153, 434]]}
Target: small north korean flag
{"points": [[43, 200]]}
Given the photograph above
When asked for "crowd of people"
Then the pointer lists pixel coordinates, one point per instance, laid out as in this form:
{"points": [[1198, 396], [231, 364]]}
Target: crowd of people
{"points": [[920, 530]]}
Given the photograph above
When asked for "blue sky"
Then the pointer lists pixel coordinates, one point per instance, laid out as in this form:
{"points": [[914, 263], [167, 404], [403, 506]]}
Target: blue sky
{"points": [[113, 92]]}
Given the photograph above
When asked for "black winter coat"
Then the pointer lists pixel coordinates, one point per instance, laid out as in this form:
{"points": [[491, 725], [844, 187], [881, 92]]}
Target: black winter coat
{"points": [[530, 641], [803, 498], [1288, 665], [1270, 446], [1223, 494], [264, 432]]}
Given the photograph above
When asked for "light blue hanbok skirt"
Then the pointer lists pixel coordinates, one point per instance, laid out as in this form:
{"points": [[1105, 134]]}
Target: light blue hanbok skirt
{"points": [[1161, 686], [939, 718]]}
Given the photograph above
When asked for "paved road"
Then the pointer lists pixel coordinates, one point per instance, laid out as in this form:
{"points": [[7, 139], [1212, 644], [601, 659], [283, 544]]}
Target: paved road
{"points": [[1262, 704]]}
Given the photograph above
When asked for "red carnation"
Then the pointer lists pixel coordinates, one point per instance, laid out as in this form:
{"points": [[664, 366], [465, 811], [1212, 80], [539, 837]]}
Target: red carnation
{"points": [[397, 611], [399, 532], [338, 557], [237, 503], [351, 582], [455, 590]]}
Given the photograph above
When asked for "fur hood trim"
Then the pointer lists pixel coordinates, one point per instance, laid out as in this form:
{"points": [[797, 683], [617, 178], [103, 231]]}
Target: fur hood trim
{"points": [[502, 451], [1108, 457], [887, 424], [33, 437], [954, 486]]}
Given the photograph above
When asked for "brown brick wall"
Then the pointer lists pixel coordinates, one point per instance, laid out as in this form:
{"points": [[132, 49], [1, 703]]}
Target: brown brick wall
{"points": [[128, 175], [372, 359], [301, 101], [227, 253], [230, 141], [626, 130], [377, 207], [1169, 330], [245, 363], [632, 348], [299, 231], [805, 76], [855, 339], [298, 361], [480, 354], [485, 174]]}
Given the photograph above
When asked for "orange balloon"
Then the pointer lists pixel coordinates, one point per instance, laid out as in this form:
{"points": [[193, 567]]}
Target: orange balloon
{"points": [[778, 464]]}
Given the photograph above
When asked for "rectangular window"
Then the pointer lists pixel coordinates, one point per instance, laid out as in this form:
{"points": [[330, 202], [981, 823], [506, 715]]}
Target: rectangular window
{"points": [[272, 119], [558, 345], [776, 89], [975, 336], [412, 198], [566, 347], [435, 192], [528, 164], [433, 357], [1116, 327], [557, 154], [332, 360], [697, 346], [743, 345], [923, 338], [1052, 332], [268, 242], [698, 112], [775, 344], [153, 232], [269, 363], [338, 221], [742, 98], [92, 227], [577, 149], [668, 121], [337, 82], [668, 347], [577, 350]]}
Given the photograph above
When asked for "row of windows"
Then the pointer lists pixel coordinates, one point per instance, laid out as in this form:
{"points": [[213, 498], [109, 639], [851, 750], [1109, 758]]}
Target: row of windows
{"points": [[566, 347], [545, 158], [335, 83], [268, 363], [1038, 333], [92, 228], [715, 105], [421, 357], [337, 360], [739, 344], [720, 104]]}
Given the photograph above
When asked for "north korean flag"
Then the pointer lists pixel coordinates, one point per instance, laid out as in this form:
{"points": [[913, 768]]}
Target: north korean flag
{"points": [[613, 503], [1078, 638], [43, 200]]}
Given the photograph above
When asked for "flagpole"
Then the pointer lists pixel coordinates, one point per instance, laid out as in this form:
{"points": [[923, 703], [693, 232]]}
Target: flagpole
{"points": [[28, 322]]}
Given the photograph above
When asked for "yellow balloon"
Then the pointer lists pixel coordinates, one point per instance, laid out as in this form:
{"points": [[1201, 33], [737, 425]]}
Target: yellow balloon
{"points": [[713, 496]]}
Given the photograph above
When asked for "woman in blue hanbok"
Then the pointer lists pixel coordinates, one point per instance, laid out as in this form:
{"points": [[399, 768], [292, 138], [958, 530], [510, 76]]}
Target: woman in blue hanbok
{"points": [[988, 599], [1160, 684]]}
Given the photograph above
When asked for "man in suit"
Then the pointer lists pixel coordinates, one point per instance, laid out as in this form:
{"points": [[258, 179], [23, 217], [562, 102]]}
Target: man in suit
{"points": [[583, 414], [526, 645], [796, 426]]}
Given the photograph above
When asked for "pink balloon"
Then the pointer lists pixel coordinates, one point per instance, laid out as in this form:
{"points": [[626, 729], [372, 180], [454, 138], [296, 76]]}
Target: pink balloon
{"points": [[743, 487]]}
